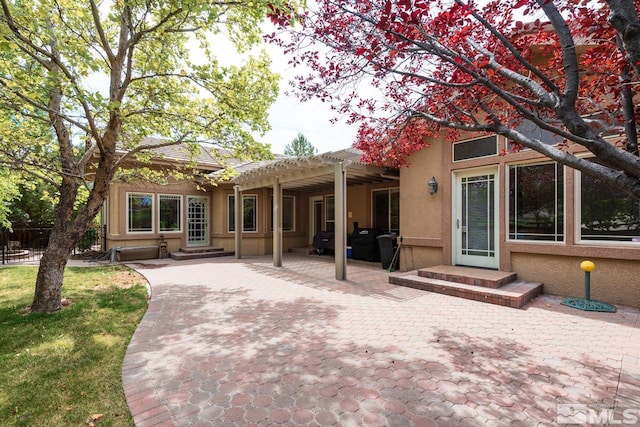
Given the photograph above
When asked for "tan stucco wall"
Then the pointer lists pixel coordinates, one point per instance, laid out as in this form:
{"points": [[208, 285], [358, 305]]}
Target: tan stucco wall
{"points": [[426, 227], [117, 235], [613, 281], [358, 199], [421, 212]]}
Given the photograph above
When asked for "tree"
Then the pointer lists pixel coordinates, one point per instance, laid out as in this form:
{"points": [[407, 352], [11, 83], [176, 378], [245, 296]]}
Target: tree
{"points": [[439, 68], [9, 191], [36, 203], [300, 147], [82, 81]]}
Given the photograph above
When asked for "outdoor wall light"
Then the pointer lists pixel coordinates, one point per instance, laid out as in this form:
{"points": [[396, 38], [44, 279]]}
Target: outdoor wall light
{"points": [[433, 185]]}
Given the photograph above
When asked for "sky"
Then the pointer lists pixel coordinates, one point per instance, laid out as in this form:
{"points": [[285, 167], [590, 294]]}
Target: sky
{"points": [[289, 116]]}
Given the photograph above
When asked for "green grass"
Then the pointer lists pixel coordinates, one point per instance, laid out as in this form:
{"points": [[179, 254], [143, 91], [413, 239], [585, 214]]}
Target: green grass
{"points": [[59, 369]]}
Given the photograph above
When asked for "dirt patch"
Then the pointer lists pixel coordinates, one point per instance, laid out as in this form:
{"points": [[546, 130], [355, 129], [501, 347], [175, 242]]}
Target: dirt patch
{"points": [[127, 278]]}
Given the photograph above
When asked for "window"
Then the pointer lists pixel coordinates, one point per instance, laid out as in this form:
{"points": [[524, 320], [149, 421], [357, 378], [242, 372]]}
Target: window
{"points": [[536, 202], [250, 209], [170, 212], [139, 213], [386, 210], [481, 147], [533, 131], [606, 214], [329, 214], [288, 213]]}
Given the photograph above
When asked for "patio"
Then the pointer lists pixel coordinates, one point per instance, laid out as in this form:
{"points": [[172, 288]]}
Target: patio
{"points": [[241, 342]]}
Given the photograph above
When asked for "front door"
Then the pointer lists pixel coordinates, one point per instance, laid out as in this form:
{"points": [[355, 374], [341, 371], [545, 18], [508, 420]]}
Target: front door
{"points": [[475, 218], [197, 221]]}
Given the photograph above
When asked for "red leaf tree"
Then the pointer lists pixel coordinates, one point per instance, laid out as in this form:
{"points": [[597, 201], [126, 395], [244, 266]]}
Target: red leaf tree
{"points": [[567, 68]]}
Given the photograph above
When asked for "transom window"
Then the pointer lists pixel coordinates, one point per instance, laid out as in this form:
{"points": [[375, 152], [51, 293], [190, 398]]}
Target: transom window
{"points": [[250, 213], [607, 214], [139, 213], [536, 202], [386, 210], [170, 212], [474, 148]]}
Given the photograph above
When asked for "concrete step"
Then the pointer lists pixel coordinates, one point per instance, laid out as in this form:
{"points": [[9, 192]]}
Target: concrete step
{"points": [[181, 256], [515, 294], [468, 275], [198, 249]]}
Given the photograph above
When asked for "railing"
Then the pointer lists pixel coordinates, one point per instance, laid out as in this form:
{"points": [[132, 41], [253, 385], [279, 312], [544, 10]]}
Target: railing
{"points": [[27, 244]]}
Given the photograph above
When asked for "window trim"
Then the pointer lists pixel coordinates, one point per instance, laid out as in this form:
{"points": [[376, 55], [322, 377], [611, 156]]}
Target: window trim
{"points": [[577, 223], [180, 199], [507, 205], [127, 212], [255, 213]]}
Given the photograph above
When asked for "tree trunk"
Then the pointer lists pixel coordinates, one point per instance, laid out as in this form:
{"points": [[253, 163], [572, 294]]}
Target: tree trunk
{"points": [[48, 293]]}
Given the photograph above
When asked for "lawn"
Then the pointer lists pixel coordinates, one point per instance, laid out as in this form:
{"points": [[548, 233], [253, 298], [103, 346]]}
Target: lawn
{"points": [[64, 368]]}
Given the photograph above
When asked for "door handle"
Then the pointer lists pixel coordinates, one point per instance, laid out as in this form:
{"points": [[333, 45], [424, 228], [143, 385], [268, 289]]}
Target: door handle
{"points": [[457, 223]]}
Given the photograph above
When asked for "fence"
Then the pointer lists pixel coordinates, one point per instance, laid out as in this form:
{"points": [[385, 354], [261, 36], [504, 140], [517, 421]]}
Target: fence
{"points": [[27, 244]]}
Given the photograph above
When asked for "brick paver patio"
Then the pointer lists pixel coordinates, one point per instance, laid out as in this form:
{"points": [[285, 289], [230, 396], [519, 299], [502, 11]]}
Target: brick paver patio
{"points": [[240, 342]]}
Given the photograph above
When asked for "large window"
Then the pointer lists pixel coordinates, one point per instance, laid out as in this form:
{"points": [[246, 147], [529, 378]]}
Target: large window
{"points": [[288, 213], [607, 214], [386, 210], [139, 213], [250, 211], [170, 212], [330, 214], [536, 202]]}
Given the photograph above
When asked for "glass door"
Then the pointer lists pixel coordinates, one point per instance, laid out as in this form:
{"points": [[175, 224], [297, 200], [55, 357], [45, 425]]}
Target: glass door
{"points": [[197, 221], [475, 219]]}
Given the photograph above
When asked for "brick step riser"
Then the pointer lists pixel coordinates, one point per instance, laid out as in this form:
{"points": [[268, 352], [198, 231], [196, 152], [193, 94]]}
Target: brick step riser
{"points": [[180, 256], [475, 295], [468, 280]]}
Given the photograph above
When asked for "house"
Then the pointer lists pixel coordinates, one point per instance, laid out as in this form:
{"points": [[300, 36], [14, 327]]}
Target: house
{"points": [[460, 204], [189, 219]]}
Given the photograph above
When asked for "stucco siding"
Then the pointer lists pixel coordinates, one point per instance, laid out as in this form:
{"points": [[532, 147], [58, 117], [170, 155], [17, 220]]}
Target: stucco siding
{"points": [[613, 281]]}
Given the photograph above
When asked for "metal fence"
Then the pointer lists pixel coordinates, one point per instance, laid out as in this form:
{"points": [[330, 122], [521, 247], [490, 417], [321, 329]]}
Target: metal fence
{"points": [[27, 244]]}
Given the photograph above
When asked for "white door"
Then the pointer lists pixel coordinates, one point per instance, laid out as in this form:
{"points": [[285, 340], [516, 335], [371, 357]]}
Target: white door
{"points": [[475, 218], [315, 216], [197, 221]]}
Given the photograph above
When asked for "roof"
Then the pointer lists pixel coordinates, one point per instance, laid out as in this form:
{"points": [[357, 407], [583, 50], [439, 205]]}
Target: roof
{"points": [[179, 152], [312, 173]]}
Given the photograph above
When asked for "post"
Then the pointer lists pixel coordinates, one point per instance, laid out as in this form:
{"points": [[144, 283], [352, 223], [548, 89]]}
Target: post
{"points": [[340, 238], [277, 223], [237, 218], [587, 267]]}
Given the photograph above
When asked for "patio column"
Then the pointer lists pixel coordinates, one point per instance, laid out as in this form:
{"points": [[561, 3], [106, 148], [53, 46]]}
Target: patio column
{"points": [[238, 215], [277, 223], [340, 238]]}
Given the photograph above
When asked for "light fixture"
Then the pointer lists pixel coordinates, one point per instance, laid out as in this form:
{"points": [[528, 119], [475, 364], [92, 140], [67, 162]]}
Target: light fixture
{"points": [[433, 185]]}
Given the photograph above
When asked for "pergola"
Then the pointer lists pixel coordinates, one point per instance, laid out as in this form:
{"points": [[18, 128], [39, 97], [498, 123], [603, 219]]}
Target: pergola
{"points": [[340, 169]]}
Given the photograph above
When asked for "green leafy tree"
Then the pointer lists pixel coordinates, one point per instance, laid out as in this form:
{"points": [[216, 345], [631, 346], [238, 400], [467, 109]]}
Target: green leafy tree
{"points": [[300, 147], [81, 80], [36, 203], [9, 191]]}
